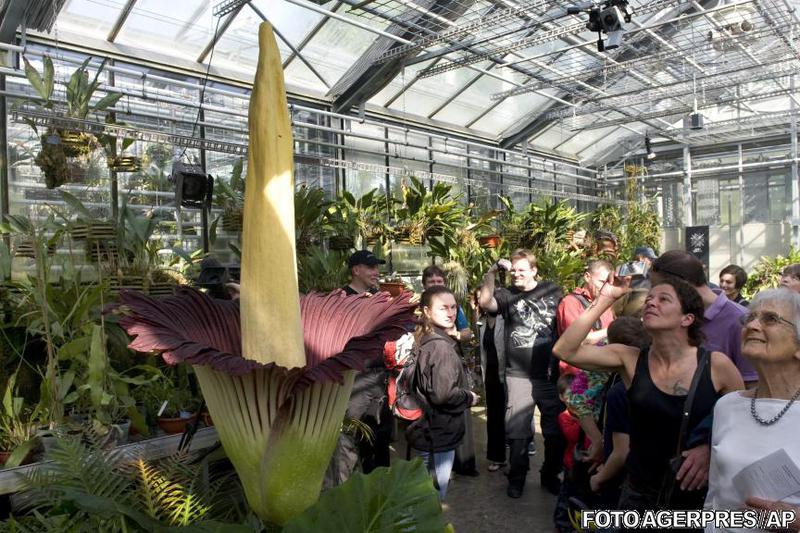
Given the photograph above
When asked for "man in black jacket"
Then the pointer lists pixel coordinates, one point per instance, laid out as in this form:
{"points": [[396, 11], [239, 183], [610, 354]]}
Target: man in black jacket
{"points": [[368, 399]]}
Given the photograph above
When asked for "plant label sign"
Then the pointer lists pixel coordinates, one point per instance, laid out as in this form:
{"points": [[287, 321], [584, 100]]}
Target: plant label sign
{"points": [[697, 242]]}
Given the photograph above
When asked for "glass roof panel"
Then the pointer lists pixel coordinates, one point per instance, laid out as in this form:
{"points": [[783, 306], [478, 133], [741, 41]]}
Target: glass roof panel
{"points": [[297, 73], [335, 48], [169, 27], [398, 82], [93, 18], [237, 49], [427, 94], [509, 112], [473, 101]]}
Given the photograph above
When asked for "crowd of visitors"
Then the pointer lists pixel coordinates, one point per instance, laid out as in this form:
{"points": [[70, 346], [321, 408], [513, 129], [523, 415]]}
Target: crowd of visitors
{"points": [[656, 389]]}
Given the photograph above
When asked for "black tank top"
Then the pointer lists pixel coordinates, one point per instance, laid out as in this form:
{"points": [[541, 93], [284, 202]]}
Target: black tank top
{"points": [[655, 422]]}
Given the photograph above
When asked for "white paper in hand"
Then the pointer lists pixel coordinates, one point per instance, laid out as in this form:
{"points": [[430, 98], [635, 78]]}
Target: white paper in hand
{"points": [[774, 477]]}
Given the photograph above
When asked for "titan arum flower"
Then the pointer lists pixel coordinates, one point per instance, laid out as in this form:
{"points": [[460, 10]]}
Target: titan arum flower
{"points": [[277, 369]]}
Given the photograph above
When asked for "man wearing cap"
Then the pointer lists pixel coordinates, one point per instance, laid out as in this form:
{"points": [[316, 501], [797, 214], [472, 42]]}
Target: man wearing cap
{"points": [[364, 272], [368, 400], [646, 255]]}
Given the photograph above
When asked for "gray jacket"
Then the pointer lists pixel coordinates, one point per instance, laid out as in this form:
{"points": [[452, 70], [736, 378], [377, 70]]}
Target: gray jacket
{"points": [[500, 344]]}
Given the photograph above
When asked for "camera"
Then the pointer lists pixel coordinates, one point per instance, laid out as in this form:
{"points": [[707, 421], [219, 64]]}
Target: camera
{"points": [[633, 269]]}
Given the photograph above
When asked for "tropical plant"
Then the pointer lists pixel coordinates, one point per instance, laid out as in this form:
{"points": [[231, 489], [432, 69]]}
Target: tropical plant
{"points": [[107, 490], [85, 487], [318, 270], [38, 312], [17, 428], [276, 378], [766, 274], [229, 195], [424, 213], [399, 498], [311, 222], [358, 221], [58, 144]]}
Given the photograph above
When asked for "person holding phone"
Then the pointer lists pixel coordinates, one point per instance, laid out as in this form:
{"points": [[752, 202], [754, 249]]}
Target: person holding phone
{"points": [[528, 309], [659, 380]]}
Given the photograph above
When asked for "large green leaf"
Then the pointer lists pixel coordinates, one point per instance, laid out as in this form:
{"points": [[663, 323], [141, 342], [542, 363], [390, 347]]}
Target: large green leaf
{"points": [[35, 79], [400, 498]]}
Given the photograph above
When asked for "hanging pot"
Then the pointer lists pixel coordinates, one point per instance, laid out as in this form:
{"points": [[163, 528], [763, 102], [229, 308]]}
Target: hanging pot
{"points": [[394, 288], [489, 241]]}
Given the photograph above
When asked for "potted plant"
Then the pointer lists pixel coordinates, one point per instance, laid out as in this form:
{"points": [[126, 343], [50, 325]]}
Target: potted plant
{"points": [[229, 195], [17, 431], [393, 284], [310, 218], [59, 145]]}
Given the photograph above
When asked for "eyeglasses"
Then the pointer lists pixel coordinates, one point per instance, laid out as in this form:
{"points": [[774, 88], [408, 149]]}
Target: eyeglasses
{"points": [[767, 318]]}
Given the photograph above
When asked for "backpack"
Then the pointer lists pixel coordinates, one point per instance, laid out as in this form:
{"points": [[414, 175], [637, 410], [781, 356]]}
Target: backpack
{"points": [[401, 357]]}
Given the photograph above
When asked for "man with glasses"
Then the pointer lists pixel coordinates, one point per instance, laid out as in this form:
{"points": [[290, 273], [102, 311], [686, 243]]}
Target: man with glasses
{"points": [[528, 309]]}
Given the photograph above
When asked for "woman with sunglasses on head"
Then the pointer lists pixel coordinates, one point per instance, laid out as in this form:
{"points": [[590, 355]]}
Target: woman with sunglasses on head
{"points": [[660, 379], [440, 386], [751, 425]]}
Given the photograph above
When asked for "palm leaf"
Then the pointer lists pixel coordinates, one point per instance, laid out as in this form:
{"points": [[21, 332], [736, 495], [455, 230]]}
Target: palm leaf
{"points": [[400, 498]]}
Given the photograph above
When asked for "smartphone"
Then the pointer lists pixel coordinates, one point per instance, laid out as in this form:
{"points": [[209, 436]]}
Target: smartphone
{"points": [[632, 269]]}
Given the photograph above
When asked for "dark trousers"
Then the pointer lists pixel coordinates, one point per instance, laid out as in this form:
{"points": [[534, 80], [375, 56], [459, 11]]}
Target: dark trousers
{"points": [[376, 453], [545, 395], [522, 395], [495, 418]]}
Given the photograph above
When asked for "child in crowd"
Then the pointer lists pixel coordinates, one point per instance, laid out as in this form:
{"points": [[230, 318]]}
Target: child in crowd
{"points": [[608, 480], [573, 435]]}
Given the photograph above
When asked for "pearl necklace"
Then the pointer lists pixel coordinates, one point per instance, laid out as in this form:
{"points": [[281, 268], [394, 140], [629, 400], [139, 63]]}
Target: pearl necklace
{"points": [[774, 418]]}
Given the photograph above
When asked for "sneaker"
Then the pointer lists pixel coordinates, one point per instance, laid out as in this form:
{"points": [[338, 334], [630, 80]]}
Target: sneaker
{"points": [[532, 448], [514, 491], [494, 467]]}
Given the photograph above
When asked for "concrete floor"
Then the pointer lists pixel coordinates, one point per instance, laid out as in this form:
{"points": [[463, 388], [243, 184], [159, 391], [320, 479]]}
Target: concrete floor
{"points": [[480, 504]]}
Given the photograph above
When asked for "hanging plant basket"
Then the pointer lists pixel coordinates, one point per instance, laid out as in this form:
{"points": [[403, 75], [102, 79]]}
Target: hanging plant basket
{"points": [[101, 251], [406, 235], [160, 288], [341, 242], [233, 220], [98, 231], [77, 143], [125, 163], [25, 248], [489, 241]]}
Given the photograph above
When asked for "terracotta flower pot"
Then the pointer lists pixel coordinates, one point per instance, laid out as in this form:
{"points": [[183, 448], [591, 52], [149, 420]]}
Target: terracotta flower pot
{"points": [[175, 425], [395, 288], [4, 455], [489, 241]]}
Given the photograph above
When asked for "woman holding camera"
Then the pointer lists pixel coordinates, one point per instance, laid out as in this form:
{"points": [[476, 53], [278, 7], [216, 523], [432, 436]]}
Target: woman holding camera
{"points": [[659, 380], [440, 385]]}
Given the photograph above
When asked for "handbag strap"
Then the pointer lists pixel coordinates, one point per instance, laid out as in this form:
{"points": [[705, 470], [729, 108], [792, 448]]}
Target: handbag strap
{"points": [[687, 404]]}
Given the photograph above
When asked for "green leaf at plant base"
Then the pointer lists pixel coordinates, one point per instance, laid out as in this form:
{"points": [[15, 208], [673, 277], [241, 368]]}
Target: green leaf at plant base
{"points": [[400, 498], [20, 452]]}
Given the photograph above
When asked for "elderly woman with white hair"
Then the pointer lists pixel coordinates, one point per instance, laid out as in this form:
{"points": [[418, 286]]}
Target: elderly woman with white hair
{"points": [[755, 443]]}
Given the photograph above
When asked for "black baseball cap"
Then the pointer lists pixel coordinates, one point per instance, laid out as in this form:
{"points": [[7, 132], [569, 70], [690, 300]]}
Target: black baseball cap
{"points": [[364, 257], [645, 251]]}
